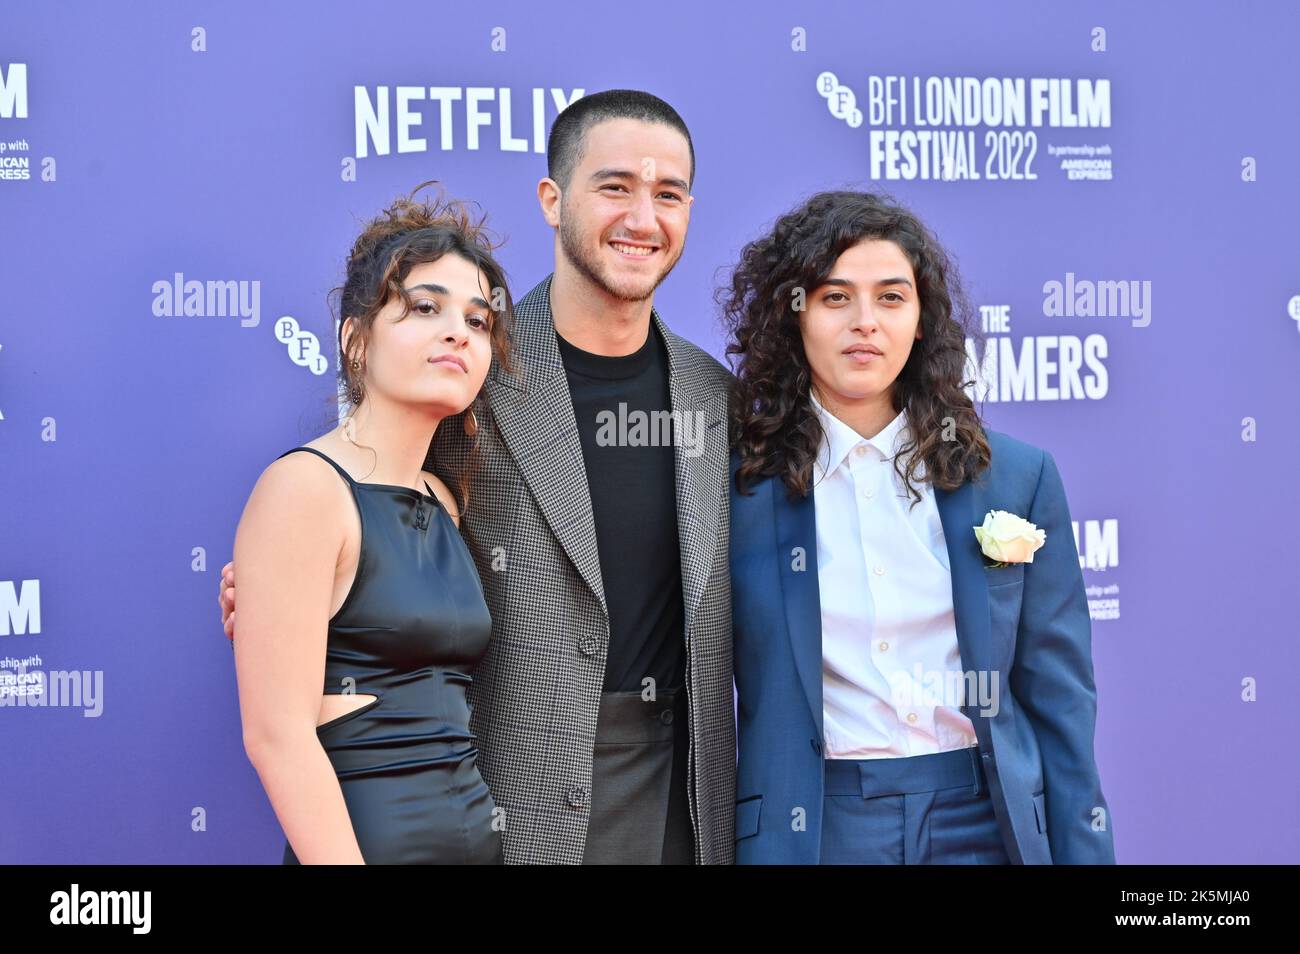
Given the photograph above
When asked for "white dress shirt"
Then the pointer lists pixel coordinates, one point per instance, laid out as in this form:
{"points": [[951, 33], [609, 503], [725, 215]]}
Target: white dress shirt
{"points": [[891, 683]]}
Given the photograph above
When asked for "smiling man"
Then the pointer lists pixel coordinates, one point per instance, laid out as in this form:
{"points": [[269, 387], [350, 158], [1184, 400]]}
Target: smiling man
{"points": [[604, 705], [603, 709]]}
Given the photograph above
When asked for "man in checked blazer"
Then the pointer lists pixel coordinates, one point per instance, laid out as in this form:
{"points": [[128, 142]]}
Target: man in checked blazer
{"points": [[582, 770], [537, 693]]}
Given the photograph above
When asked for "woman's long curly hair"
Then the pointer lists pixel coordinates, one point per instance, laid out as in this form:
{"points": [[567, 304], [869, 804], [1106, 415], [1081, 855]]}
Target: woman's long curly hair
{"points": [[773, 426]]}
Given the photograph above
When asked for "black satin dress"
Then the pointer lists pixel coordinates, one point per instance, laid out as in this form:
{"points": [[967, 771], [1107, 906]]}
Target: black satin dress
{"points": [[409, 633]]}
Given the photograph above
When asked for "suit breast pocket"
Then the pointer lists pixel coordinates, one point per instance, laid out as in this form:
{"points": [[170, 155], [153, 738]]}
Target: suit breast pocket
{"points": [[1006, 590], [1004, 575]]}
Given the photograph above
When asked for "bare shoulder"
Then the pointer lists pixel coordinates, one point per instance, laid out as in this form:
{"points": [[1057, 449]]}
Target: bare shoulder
{"points": [[299, 488], [445, 496], [301, 473]]}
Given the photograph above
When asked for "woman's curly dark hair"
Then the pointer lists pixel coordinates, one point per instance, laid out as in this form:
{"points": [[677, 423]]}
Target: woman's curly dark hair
{"points": [[773, 426], [410, 232]]}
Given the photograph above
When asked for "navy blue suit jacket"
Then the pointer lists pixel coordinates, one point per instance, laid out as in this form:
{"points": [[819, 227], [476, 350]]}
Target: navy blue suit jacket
{"points": [[1027, 622]]}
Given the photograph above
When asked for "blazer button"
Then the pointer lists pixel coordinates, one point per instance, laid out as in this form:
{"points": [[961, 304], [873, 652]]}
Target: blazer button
{"points": [[587, 646], [579, 796], [666, 717]]}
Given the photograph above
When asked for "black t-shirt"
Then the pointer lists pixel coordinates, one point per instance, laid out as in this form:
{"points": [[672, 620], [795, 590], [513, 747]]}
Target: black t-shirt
{"points": [[622, 406]]}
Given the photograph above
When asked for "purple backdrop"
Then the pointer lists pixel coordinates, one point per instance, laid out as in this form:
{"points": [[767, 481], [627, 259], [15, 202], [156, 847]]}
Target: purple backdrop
{"points": [[141, 150]]}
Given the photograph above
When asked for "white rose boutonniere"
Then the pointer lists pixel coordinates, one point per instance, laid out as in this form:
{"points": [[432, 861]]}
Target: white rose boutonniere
{"points": [[1006, 538]]}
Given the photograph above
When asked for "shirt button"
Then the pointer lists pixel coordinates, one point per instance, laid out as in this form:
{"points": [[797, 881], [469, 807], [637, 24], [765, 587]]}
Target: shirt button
{"points": [[868, 493], [911, 717], [859, 451], [884, 646], [880, 571]]}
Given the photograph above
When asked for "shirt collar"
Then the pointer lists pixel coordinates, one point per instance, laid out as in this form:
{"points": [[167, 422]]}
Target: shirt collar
{"points": [[838, 439]]}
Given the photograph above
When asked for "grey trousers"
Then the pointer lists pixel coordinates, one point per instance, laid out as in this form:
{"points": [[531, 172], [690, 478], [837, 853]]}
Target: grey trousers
{"points": [[639, 809]]}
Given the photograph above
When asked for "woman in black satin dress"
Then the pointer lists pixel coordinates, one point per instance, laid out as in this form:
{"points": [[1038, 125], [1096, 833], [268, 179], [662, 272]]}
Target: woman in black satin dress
{"points": [[361, 614]]}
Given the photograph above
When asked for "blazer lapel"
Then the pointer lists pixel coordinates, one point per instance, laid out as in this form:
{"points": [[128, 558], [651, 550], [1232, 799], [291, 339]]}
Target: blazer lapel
{"points": [[700, 466], [796, 555], [970, 594], [534, 414]]}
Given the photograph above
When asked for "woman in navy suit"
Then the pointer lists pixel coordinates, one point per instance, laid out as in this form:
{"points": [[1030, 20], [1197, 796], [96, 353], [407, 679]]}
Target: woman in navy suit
{"points": [[910, 690]]}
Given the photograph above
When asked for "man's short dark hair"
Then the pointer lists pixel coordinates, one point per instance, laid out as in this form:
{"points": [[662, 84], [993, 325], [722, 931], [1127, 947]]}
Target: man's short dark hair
{"points": [[564, 146]]}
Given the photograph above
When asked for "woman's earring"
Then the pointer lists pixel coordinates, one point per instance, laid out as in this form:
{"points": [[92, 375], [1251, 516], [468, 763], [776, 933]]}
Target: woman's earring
{"points": [[357, 388], [471, 424]]}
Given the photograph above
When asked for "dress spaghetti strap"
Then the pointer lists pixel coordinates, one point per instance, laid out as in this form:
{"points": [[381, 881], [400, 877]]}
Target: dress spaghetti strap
{"points": [[354, 483], [342, 473]]}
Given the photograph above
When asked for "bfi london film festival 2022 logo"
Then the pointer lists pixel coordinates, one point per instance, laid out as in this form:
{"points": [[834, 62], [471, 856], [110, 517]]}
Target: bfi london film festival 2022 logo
{"points": [[928, 127]]}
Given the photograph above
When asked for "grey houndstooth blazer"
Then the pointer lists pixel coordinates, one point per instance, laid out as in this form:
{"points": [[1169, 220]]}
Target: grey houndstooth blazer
{"points": [[529, 526]]}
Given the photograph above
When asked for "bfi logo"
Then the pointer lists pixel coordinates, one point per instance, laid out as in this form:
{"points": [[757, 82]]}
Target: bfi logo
{"points": [[303, 346], [20, 608]]}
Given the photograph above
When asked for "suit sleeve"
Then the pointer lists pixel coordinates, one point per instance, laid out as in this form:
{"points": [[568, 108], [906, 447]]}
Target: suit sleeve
{"points": [[1052, 679]]}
